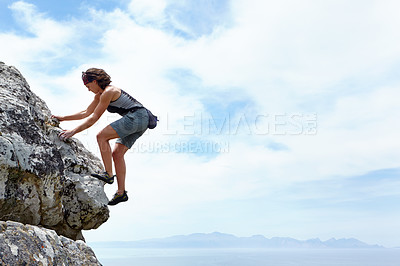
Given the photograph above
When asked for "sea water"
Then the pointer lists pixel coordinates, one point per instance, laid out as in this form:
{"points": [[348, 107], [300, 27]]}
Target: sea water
{"points": [[247, 257]]}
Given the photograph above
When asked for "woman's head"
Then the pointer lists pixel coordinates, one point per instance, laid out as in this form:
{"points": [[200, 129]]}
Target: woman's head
{"points": [[102, 78]]}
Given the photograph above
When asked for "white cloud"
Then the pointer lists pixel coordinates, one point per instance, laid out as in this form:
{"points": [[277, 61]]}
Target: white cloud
{"points": [[287, 57], [148, 11], [46, 39]]}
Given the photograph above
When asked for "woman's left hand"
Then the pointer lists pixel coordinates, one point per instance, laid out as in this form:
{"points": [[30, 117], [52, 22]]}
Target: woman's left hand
{"points": [[66, 134]]}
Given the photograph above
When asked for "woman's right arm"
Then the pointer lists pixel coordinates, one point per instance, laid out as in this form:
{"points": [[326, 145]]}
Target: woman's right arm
{"points": [[82, 114]]}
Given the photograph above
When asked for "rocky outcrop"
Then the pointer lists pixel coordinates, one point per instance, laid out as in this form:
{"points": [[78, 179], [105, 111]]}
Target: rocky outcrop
{"points": [[43, 180], [31, 245]]}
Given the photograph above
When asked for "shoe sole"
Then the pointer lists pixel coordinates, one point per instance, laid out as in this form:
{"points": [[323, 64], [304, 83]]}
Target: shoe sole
{"points": [[103, 178], [119, 201]]}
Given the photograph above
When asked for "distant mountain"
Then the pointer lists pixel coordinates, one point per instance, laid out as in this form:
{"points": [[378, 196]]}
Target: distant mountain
{"points": [[220, 240]]}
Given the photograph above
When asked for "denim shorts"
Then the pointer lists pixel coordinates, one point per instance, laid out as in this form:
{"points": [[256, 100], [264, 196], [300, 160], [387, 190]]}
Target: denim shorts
{"points": [[131, 126]]}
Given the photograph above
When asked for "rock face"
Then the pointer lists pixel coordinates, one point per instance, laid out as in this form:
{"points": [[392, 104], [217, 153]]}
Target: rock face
{"points": [[31, 245], [43, 180]]}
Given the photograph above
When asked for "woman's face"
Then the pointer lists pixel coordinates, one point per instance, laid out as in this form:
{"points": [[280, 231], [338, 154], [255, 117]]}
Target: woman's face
{"points": [[93, 87]]}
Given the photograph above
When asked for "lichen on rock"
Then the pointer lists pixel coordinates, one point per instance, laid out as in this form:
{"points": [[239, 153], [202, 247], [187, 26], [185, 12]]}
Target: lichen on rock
{"points": [[32, 245]]}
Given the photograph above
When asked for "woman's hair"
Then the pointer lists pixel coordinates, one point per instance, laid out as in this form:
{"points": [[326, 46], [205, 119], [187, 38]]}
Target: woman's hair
{"points": [[102, 78]]}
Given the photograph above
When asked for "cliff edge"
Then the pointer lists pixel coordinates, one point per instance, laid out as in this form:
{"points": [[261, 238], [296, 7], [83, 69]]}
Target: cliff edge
{"points": [[44, 181]]}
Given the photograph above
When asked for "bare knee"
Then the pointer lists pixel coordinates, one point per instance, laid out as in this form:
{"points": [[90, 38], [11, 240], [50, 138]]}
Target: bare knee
{"points": [[117, 154], [100, 137], [119, 151]]}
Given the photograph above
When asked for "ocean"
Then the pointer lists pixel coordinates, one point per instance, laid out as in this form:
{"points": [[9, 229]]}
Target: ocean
{"points": [[247, 257]]}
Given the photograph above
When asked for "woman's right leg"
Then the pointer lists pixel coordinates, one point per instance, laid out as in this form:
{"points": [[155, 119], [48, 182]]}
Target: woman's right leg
{"points": [[103, 138]]}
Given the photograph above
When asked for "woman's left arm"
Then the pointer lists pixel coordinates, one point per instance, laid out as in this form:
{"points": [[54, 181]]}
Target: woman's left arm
{"points": [[105, 100]]}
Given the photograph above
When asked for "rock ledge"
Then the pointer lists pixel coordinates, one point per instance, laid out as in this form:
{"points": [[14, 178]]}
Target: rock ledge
{"points": [[31, 245]]}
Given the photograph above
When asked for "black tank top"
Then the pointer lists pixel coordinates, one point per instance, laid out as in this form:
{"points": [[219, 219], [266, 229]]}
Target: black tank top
{"points": [[124, 104]]}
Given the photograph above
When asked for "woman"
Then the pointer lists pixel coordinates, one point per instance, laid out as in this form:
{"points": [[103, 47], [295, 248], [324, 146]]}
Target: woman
{"points": [[127, 129]]}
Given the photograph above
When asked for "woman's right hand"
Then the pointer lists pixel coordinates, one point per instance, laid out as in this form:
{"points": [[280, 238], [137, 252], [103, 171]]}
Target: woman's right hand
{"points": [[58, 117]]}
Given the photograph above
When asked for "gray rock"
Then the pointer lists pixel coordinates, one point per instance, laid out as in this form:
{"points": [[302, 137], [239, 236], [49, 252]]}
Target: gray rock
{"points": [[43, 180], [31, 245]]}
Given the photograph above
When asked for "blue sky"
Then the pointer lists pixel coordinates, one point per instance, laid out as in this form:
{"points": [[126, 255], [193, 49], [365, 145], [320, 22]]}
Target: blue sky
{"points": [[277, 118]]}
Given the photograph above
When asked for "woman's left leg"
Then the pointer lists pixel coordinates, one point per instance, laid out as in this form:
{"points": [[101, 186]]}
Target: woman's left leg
{"points": [[120, 166]]}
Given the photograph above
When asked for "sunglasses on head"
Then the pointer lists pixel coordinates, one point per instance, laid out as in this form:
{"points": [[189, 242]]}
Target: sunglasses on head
{"points": [[86, 79]]}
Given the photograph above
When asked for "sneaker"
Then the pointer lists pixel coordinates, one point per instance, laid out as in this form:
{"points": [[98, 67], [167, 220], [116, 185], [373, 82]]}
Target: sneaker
{"points": [[118, 198], [104, 177]]}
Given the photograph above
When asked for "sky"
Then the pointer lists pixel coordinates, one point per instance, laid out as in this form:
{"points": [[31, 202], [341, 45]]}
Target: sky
{"points": [[277, 118]]}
